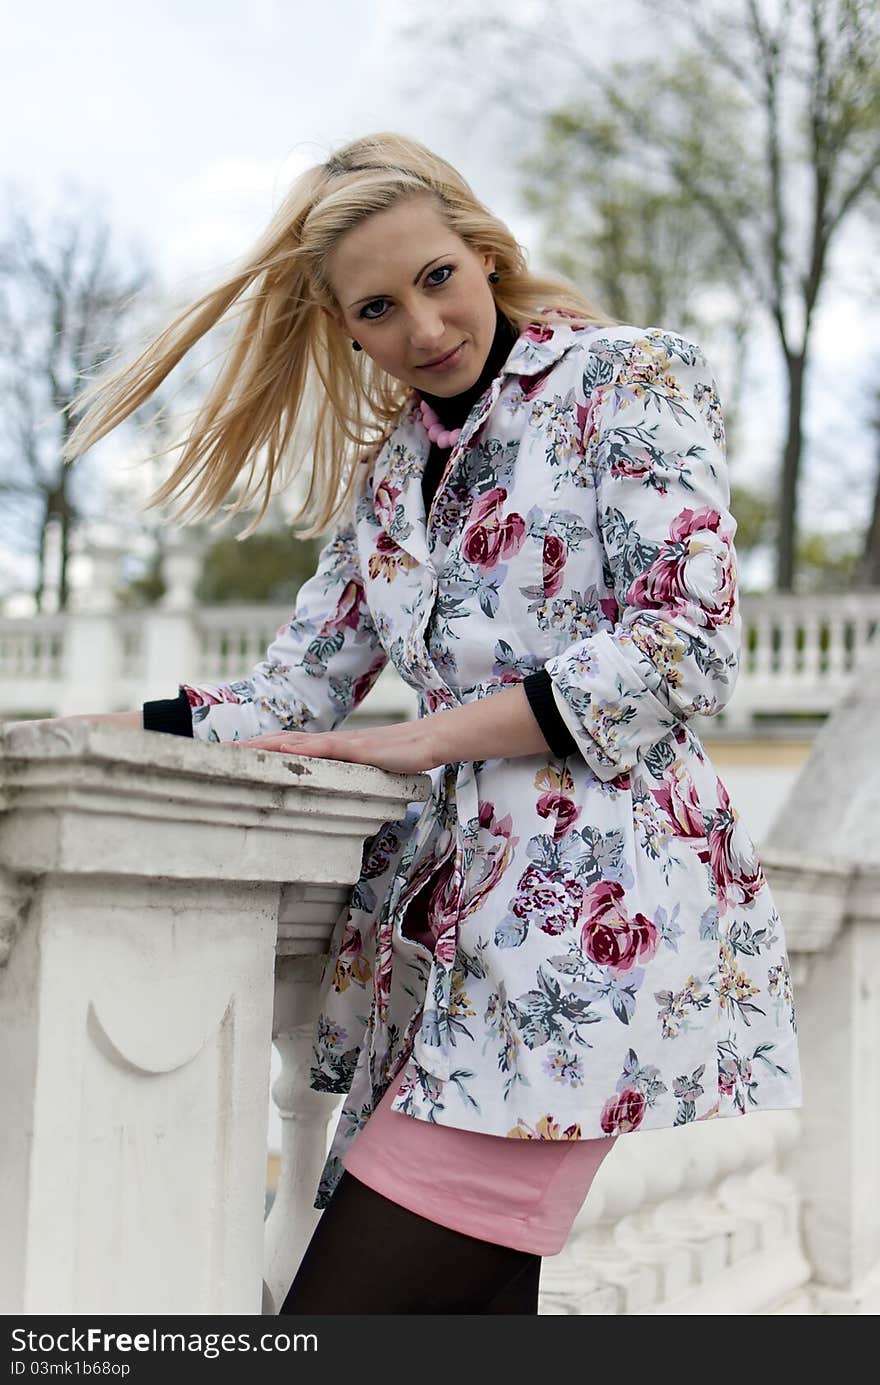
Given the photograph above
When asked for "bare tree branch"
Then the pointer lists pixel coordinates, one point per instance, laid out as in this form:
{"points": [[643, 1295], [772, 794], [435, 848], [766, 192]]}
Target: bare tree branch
{"points": [[64, 305]]}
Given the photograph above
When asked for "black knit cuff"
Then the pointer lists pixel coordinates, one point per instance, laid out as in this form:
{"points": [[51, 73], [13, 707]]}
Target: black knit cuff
{"points": [[539, 691], [170, 714]]}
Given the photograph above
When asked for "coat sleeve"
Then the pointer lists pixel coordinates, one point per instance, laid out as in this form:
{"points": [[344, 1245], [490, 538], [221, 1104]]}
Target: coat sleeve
{"points": [[318, 668], [654, 443]]}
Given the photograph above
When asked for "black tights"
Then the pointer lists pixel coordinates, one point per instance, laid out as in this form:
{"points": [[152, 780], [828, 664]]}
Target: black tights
{"points": [[369, 1255]]}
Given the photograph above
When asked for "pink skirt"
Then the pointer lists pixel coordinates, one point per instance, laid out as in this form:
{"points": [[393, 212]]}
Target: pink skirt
{"points": [[520, 1193]]}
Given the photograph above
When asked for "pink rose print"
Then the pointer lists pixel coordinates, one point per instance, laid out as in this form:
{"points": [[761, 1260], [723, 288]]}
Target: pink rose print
{"points": [[489, 538], [206, 696], [362, 685], [533, 384], [552, 902], [485, 506], [436, 699], [585, 413], [727, 1078], [610, 609], [693, 575], [735, 863], [555, 554], [678, 799], [608, 937], [564, 809], [436, 908], [635, 463], [623, 1112], [348, 608], [384, 501], [537, 332]]}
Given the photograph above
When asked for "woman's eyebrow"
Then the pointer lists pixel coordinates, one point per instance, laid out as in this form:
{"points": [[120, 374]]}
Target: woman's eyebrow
{"points": [[368, 297]]}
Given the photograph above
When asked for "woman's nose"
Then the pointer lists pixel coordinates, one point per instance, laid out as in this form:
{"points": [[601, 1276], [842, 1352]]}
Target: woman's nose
{"points": [[426, 330]]}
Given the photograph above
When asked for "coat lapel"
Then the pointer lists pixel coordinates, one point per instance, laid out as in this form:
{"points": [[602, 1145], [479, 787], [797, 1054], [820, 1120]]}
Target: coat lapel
{"points": [[400, 464], [397, 485]]}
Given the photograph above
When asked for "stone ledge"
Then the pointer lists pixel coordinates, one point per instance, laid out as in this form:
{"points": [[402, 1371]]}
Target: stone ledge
{"points": [[83, 801], [90, 743]]}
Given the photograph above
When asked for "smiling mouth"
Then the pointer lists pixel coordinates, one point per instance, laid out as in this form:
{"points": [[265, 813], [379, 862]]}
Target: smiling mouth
{"points": [[426, 365]]}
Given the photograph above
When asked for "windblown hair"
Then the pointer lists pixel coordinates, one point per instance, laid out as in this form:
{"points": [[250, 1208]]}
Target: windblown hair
{"points": [[286, 352]]}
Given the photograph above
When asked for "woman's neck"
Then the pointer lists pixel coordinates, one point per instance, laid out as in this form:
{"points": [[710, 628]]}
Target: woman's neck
{"points": [[452, 410]]}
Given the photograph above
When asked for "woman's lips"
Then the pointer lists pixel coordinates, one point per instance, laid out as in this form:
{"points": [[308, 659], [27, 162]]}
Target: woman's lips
{"points": [[448, 362]]}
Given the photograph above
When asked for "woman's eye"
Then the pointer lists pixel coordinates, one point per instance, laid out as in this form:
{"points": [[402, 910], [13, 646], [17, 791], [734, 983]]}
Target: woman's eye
{"points": [[441, 269]]}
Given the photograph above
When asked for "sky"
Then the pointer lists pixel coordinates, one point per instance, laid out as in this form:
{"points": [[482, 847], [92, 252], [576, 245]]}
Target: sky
{"points": [[189, 120], [185, 122]]}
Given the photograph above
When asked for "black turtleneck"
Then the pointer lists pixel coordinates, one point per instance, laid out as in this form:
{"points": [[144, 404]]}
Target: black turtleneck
{"points": [[173, 715], [452, 412]]}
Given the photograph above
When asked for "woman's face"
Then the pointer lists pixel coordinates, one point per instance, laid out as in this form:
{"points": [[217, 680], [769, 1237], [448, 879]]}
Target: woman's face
{"points": [[411, 290]]}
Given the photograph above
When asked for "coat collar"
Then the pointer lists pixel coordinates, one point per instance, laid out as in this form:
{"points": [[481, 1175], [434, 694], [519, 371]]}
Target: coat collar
{"points": [[400, 464]]}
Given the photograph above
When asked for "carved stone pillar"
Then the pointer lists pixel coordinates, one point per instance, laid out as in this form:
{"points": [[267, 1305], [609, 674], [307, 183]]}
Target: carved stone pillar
{"points": [[308, 913], [140, 883]]}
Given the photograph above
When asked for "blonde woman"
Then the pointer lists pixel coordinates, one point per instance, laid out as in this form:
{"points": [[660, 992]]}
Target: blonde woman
{"points": [[528, 506]]}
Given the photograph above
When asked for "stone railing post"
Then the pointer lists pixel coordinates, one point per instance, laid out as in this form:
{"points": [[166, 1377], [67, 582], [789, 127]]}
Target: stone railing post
{"points": [[140, 885], [822, 858], [305, 1116]]}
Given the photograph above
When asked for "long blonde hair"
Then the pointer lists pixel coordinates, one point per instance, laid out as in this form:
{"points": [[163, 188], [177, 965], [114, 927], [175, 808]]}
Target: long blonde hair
{"points": [[286, 351]]}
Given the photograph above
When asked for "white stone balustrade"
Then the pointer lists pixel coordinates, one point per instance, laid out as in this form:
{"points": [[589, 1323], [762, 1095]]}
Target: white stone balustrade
{"points": [[147, 884], [800, 654], [697, 1220]]}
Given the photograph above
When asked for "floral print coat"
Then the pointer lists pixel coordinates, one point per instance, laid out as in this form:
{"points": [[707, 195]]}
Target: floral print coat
{"points": [[608, 954]]}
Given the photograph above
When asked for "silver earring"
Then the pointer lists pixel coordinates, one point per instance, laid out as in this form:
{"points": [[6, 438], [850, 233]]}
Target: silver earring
{"points": [[356, 346]]}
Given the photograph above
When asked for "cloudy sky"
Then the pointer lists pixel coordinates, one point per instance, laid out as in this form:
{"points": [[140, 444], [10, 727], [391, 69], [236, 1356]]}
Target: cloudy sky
{"points": [[189, 120], [186, 121]]}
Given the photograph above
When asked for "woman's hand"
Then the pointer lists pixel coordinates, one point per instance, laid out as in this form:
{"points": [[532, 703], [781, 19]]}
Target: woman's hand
{"points": [[402, 748], [500, 725]]}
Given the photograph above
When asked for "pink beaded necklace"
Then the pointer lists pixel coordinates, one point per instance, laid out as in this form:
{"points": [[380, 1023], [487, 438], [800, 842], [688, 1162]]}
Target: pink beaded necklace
{"points": [[443, 437]]}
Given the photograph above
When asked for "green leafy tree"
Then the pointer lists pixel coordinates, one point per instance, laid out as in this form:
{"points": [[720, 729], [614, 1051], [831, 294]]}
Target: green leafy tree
{"points": [[636, 241], [754, 515], [267, 568]]}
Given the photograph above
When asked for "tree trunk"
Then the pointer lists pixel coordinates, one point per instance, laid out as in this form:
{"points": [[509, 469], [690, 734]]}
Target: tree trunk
{"points": [[41, 559], [66, 531], [791, 461], [870, 574], [63, 590]]}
